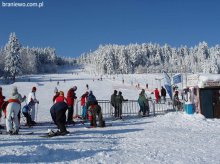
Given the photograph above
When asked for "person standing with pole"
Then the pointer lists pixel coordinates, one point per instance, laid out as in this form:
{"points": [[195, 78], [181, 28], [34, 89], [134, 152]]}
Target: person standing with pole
{"points": [[33, 100]]}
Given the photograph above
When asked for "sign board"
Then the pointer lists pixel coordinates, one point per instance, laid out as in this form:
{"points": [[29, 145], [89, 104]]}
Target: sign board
{"points": [[177, 78], [211, 83], [192, 80]]}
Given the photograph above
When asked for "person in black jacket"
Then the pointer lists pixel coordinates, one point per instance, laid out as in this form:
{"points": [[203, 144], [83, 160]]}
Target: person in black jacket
{"points": [[163, 94], [58, 114], [113, 101], [119, 99]]}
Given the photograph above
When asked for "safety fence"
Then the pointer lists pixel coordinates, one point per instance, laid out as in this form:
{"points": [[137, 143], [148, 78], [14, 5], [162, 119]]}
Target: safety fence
{"points": [[131, 107]]}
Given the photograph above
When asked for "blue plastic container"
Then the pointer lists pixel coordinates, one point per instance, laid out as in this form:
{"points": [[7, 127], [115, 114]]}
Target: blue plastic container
{"points": [[189, 108]]}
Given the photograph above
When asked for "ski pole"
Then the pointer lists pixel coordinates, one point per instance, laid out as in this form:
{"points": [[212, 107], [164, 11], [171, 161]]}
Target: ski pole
{"points": [[36, 113]]}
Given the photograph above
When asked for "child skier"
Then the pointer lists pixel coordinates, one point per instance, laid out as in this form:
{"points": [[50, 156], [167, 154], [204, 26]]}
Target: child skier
{"points": [[26, 112], [83, 104], [93, 111]]}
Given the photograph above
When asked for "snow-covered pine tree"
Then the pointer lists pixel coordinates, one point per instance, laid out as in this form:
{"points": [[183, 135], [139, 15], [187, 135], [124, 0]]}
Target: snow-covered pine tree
{"points": [[12, 57], [2, 62]]}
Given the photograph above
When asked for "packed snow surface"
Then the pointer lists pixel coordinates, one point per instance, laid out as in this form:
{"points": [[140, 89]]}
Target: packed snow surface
{"points": [[171, 138]]}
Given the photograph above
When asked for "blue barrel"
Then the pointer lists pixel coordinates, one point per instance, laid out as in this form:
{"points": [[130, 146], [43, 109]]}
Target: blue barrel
{"points": [[189, 108]]}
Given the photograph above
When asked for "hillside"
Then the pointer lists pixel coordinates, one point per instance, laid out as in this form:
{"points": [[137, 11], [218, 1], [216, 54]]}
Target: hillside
{"points": [[171, 138]]}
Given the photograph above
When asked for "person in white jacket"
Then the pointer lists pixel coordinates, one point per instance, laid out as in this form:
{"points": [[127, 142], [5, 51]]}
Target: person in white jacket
{"points": [[12, 110], [33, 100]]}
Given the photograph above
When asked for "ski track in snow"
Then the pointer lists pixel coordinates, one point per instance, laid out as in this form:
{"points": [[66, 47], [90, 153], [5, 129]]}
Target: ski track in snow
{"points": [[171, 138]]}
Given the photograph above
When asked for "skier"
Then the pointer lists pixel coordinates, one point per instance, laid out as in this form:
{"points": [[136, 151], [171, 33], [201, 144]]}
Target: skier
{"points": [[33, 100], [26, 112], [119, 99], [93, 111], [71, 95], [12, 110], [83, 100], [58, 114], [143, 103], [87, 87], [163, 94], [91, 100], [2, 98], [113, 102], [157, 95]]}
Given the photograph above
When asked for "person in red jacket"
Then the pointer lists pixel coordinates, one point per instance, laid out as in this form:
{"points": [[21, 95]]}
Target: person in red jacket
{"points": [[60, 98], [157, 95], [71, 95], [2, 98]]}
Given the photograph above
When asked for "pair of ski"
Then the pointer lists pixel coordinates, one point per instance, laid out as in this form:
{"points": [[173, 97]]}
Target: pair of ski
{"points": [[106, 125], [53, 134], [117, 119], [19, 133]]}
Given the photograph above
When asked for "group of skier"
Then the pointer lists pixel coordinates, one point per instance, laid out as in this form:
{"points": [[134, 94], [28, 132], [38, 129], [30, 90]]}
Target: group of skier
{"points": [[12, 109], [61, 104], [90, 109]]}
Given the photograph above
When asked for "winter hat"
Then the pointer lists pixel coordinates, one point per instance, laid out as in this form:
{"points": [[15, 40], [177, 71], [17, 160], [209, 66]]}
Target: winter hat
{"points": [[14, 90], [34, 89], [74, 88], [55, 90], [61, 93], [90, 93]]}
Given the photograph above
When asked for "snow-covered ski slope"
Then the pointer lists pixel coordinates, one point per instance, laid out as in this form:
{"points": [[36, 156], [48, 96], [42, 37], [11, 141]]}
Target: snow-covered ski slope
{"points": [[171, 138]]}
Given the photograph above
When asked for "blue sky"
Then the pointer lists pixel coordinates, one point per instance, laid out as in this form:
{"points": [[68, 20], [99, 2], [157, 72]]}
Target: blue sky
{"points": [[77, 26]]}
